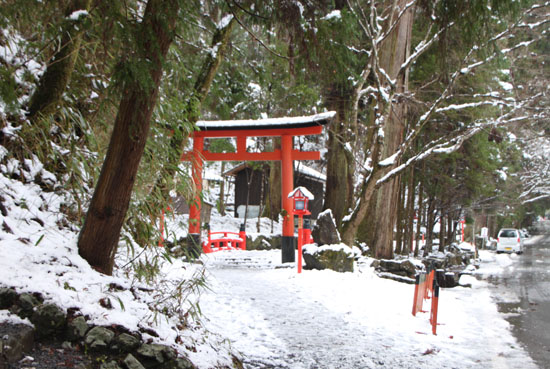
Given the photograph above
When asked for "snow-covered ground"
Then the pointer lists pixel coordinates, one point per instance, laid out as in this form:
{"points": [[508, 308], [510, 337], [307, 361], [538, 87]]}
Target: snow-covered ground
{"points": [[323, 319], [272, 316]]}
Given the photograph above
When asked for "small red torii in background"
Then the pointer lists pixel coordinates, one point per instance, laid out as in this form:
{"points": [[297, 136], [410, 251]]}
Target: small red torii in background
{"points": [[286, 129]]}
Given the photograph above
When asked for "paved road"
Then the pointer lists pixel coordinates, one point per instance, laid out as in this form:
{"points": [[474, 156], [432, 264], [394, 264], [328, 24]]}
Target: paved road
{"points": [[523, 292]]}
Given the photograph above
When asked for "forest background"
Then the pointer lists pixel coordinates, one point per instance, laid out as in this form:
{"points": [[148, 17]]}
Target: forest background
{"points": [[442, 106]]}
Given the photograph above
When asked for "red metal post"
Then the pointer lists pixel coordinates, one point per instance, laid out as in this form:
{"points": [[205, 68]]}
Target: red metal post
{"points": [[307, 236], [287, 184], [242, 235], [195, 207]]}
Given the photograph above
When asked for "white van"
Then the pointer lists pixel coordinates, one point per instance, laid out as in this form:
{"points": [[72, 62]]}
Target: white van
{"points": [[509, 240]]}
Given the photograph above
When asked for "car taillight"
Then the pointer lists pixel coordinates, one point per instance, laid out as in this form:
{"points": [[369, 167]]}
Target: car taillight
{"points": [[519, 240], [498, 239]]}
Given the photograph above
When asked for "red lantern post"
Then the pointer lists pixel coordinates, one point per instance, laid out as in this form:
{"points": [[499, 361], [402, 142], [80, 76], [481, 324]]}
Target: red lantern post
{"points": [[300, 197]]}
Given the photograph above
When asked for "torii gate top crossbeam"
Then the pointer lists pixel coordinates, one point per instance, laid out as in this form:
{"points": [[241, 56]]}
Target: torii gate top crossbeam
{"points": [[207, 128], [272, 127]]}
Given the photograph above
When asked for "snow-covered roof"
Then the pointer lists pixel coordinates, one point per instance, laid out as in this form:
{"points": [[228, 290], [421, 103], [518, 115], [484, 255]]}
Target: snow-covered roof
{"points": [[309, 172], [268, 123], [236, 169], [298, 167], [304, 192], [210, 175]]}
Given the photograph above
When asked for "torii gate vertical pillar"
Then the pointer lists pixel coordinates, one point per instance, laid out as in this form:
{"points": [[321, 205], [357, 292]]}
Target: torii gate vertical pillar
{"points": [[194, 235], [287, 185]]}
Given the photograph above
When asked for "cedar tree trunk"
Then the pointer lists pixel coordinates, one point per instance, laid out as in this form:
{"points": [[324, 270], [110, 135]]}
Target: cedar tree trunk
{"points": [[394, 52], [340, 165], [99, 236]]}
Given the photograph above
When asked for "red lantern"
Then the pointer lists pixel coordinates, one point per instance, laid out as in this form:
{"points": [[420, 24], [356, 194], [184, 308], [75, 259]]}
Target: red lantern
{"points": [[300, 197]]}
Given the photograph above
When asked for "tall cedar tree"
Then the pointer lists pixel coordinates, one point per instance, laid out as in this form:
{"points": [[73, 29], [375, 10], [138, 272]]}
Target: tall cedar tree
{"points": [[99, 236]]}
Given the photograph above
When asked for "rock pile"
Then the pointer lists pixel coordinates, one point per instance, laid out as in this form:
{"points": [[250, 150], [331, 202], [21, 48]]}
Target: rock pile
{"points": [[327, 252], [110, 347], [398, 270], [339, 257]]}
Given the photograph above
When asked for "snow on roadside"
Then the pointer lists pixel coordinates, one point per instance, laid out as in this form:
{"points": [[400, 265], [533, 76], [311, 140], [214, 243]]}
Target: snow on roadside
{"points": [[326, 319]]}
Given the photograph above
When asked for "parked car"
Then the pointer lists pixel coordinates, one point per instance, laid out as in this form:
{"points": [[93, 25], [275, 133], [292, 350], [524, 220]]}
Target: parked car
{"points": [[509, 240]]}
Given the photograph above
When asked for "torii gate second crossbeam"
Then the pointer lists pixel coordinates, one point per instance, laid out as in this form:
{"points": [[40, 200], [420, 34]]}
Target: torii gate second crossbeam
{"points": [[286, 129]]}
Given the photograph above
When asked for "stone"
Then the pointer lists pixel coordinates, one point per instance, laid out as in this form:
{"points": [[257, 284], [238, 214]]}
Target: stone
{"points": [[27, 303], [452, 259], [77, 328], [262, 242], [8, 297], [48, 320], [99, 338], [339, 258], [153, 354], [325, 231], [447, 279], [125, 342], [132, 363], [15, 340], [110, 365], [404, 268], [184, 363]]}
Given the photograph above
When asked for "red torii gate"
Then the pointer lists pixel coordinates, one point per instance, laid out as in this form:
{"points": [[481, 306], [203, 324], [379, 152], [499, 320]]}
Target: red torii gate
{"points": [[286, 128]]}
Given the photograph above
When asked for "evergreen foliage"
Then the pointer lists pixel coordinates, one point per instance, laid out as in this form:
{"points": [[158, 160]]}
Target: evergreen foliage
{"points": [[283, 58]]}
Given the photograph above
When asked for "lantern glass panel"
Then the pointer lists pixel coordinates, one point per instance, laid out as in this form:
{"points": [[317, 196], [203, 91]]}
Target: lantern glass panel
{"points": [[300, 204]]}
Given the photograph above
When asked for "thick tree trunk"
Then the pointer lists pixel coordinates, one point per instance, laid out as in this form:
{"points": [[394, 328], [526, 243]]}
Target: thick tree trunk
{"points": [[99, 236], [340, 165], [54, 81], [394, 52]]}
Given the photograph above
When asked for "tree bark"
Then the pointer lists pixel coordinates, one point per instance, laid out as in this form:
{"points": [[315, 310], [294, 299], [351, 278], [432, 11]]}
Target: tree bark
{"points": [[100, 233], [399, 229], [54, 81], [410, 213], [394, 52], [340, 165]]}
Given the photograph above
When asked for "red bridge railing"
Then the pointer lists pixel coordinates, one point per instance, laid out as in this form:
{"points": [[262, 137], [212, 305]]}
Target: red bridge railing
{"points": [[227, 241]]}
